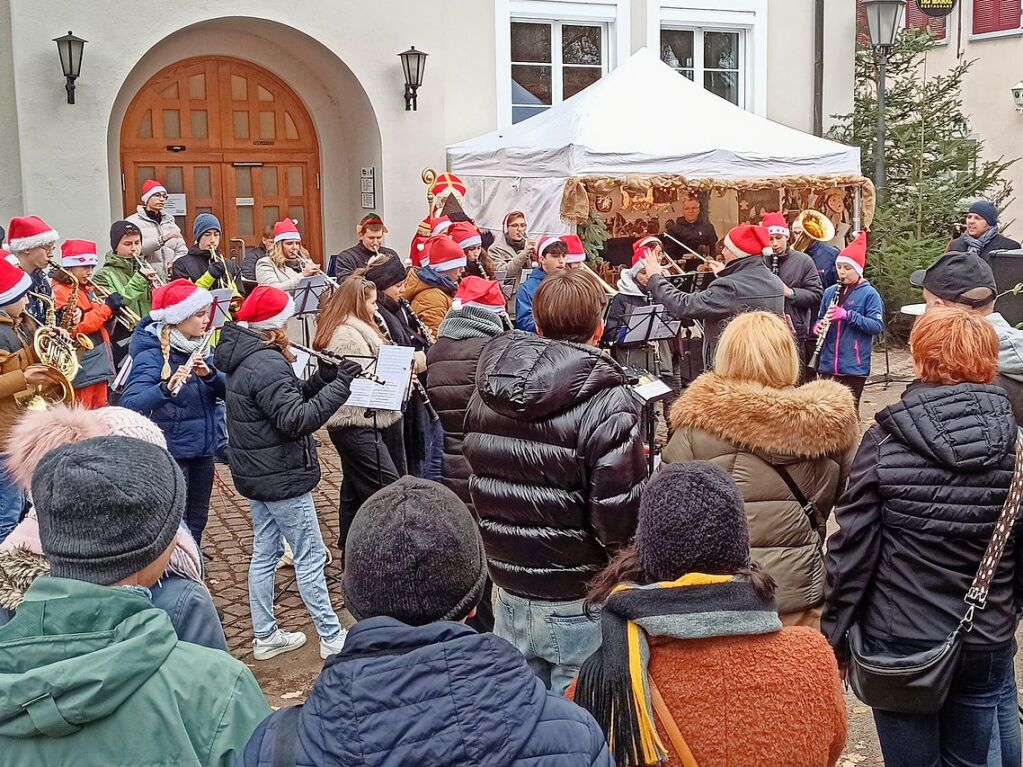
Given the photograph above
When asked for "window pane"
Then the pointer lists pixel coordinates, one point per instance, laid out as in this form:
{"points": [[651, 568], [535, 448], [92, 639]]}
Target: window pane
{"points": [[243, 182], [677, 48], [197, 87], [295, 181], [171, 123], [241, 124], [245, 228], [580, 45], [266, 125], [724, 84], [199, 126], [269, 181], [521, 113], [239, 88], [577, 78], [271, 215], [142, 174], [297, 213], [531, 85], [180, 221], [530, 42], [174, 179], [290, 131], [170, 92], [201, 181], [146, 126], [721, 50], [263, 94]]}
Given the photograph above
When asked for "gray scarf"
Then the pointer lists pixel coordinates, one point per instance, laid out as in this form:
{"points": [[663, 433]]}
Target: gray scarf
{"points": [[974, 245], [470, 322], [178, 340]]}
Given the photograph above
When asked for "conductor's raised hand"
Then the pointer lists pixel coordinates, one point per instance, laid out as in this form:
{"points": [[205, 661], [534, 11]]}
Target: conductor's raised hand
{"points": [[652, 264]]}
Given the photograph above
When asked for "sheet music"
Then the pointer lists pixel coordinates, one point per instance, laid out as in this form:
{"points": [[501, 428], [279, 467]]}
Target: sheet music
{"points": [[221, 304], [301, 363], [307, 294], [394, 367]]}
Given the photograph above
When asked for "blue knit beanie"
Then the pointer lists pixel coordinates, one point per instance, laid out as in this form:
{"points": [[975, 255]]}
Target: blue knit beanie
{"points": [[204, 222], [986, 210]]}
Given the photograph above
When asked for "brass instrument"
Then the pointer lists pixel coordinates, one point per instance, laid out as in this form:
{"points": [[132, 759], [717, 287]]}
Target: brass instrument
{"points": [[125, 316], [58, 391], [423, 327], [57, 349], [611, 292], [329, 280], [334, 359], [160, 282], [200, 353], [816, 227], [825, 326]]}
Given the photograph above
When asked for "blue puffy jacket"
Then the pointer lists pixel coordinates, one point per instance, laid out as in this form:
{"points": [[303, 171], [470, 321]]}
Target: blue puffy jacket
{"points": [[193, 421], [853, 336], [432, 695], [524, 300], [824, 256]]}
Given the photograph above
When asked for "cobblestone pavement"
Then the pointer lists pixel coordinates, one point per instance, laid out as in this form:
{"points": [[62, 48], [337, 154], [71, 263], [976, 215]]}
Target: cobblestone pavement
{"points": [[287, 679]]}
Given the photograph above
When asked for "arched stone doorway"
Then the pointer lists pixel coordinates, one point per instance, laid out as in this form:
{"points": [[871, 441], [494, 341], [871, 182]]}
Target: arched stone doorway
{"points": [[234, 139]]}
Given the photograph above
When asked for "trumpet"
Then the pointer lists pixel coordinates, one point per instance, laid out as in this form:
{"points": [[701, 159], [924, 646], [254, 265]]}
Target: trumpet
{"points": [[329, 280], [611, 292], [334, 359], [156, 278]]}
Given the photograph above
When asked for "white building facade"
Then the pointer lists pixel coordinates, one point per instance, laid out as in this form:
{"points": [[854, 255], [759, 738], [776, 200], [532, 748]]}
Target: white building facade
{"points": [[257, 109]]}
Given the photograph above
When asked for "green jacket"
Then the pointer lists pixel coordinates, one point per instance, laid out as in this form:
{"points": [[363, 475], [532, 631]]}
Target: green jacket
{"points": [[95, 675], [121, 275]]}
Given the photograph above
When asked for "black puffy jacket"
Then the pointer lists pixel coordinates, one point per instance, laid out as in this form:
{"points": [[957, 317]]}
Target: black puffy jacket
{"points": [[553, 436], [271, 416], [925, 491], [451, 380]]}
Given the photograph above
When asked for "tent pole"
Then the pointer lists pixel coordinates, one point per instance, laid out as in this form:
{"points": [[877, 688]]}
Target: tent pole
{"points": [[857, 203]]}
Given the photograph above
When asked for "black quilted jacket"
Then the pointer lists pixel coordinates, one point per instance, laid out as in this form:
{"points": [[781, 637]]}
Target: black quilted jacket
{"points": [[554, 440]]}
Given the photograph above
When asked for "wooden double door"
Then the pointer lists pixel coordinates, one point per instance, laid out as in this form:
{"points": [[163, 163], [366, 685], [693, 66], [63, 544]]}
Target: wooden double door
{"points": [[234, 140]]}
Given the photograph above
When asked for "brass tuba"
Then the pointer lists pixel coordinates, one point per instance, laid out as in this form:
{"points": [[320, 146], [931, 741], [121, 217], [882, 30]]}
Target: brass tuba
{"points": [[816, 228], [56, 346]]}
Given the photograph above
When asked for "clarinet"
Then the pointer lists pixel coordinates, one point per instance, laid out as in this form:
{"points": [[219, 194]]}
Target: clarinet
{"points": [[416, 383], [825, 326], [774, 263], [423, 327]]}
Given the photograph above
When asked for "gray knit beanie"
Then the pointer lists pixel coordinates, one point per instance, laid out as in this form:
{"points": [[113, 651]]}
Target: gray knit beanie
{"points": [[108, 507], [414, 553], [691, 520]]}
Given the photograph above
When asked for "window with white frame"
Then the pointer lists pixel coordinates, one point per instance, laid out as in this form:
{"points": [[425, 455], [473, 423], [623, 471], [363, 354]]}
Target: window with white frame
{"points": [[552, 61], [715, 58]]}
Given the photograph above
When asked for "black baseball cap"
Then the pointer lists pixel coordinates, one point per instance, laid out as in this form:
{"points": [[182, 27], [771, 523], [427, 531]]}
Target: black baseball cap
{"points": [[954, 274]]}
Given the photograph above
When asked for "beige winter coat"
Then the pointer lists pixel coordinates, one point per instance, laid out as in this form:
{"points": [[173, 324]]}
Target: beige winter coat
{"points": [[355, 338], [268, 273], [154, 250], [744, 428]]}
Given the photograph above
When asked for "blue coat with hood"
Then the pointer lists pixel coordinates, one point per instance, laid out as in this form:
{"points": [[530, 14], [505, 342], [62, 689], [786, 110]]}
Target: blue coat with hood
{"points": [[524, 301], [193, 421], [854, 336], [432, 696]]}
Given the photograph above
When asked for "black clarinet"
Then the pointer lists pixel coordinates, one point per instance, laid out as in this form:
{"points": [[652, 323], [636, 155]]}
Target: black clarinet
{"points": [[774, 263], [416, 383], [424, 329]]}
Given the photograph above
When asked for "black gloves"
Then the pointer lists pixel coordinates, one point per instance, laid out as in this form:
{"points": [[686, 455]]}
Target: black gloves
{"points": [[216, 269], [348, 369], [115, 301], [326, 371]]}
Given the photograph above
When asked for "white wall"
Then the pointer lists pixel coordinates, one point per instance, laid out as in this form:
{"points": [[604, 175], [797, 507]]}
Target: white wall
{"points": [[10, 158]]}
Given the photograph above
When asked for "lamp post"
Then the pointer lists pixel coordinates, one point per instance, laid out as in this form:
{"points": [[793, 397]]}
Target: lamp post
{"points": [[884, 19], [70, 49], [413, 63]]}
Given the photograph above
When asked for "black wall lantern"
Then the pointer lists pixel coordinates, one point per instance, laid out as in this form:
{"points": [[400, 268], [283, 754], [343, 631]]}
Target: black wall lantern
{"points": [[413, 63], [70, 49]]}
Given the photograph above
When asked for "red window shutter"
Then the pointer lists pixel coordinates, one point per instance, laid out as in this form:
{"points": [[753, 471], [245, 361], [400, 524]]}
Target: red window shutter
{"points": [[939, 27], [995, 15], [862, 31], [915, 18]]}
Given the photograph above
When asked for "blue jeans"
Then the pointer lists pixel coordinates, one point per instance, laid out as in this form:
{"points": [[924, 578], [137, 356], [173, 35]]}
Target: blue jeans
{"points": [[434, 461], [12, 501], [1005, 737], [293, 520], [960, 734], [554, 637]]}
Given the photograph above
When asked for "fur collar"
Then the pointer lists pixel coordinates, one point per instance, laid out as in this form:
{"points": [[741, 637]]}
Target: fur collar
{"points": [[18, 569], [354, 336], [810, 421]]}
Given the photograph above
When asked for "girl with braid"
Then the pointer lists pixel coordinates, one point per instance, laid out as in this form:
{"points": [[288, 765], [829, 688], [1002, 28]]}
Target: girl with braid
{"points": [[182, 402]]}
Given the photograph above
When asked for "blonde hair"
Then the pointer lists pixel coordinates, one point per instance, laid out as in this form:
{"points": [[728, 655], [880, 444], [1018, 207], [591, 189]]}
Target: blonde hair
{"points": [[165, 332], [277, 255], [758, 346]]}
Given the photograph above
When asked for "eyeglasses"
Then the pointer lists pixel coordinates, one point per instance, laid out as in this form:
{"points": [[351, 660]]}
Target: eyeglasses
{"points": [[160, 195]]}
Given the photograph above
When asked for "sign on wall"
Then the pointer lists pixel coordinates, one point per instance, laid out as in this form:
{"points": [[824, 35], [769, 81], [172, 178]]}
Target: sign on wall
{"points": [[175, 205], [368, 188], [936, 8]]}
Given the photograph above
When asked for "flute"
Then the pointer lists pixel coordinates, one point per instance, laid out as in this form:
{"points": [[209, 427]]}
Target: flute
{"points": [[333, 359], [200, 353]]}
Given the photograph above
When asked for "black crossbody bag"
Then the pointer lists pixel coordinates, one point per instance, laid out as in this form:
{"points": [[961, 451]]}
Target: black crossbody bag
{"points": [[919, 683]]}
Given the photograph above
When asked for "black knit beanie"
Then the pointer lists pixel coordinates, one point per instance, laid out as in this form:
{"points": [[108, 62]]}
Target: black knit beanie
{"points": [[108, 507], [387, 273], [119, 230], [414, 553], [691, 520]]}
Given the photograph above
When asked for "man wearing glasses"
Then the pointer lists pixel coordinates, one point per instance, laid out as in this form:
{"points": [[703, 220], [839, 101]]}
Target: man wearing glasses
{"points": [[32, 242], [162, 243]]}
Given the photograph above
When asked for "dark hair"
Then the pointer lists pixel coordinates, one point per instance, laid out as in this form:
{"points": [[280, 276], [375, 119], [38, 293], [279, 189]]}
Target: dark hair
{"points": [[268, 232], [568, 306], [625, 567], [558, 248]]}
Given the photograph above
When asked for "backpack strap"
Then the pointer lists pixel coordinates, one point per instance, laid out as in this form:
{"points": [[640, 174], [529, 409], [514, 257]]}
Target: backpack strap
{"points": [[805, 503], [286, 738]]}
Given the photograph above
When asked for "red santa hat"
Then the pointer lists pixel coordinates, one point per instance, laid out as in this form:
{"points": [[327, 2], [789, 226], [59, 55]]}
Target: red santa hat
{"points": [[151, 187], [639, 251], [9, 258], [14, 283], [465, 235], [370, 220], [178, 300], [443, 254], [576, 252], [29, 232], [855, 254], [439, 225], [286, 230], [509, 216], [748, 240], [78, 253], [481, 294], [544, 243], [775, 223], [266, 308]]}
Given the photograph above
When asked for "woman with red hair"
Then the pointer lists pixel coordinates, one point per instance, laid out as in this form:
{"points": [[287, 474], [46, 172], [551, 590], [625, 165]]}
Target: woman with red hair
{"points": [[926, 490]]}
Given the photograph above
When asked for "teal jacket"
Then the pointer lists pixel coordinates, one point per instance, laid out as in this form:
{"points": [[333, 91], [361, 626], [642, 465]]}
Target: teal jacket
{"points": [[96, 675]]}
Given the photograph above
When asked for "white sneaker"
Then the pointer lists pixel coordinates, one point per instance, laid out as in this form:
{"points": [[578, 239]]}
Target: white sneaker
{"points": [[277, 643], [333, 647], [287, 558]]}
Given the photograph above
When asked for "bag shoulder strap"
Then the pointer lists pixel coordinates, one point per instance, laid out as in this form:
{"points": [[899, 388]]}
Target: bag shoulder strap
{"points": [[805, 503], [976, 597], [667, 721], [286, 738]]}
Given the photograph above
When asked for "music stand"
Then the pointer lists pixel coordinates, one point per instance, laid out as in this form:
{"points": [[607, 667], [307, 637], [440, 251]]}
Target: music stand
{"points": [[220, 308], [646, 324], [690, 282], [306, 296]]}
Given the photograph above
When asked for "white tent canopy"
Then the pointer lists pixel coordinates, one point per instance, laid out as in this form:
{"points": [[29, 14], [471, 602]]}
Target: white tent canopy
{"points": [[643, 118]]}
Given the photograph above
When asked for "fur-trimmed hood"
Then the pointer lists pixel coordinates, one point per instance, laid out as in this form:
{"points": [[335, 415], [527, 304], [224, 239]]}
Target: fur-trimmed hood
{"points": [[810, 421], [18, 569]]}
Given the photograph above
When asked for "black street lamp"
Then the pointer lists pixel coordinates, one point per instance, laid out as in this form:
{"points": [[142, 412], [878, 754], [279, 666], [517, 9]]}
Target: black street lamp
{"points": [[884, 18], [70, 49], [413, 63]]}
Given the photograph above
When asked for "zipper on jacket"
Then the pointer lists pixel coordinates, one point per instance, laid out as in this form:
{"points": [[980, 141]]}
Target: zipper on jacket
{"points": [[856, 348]]}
